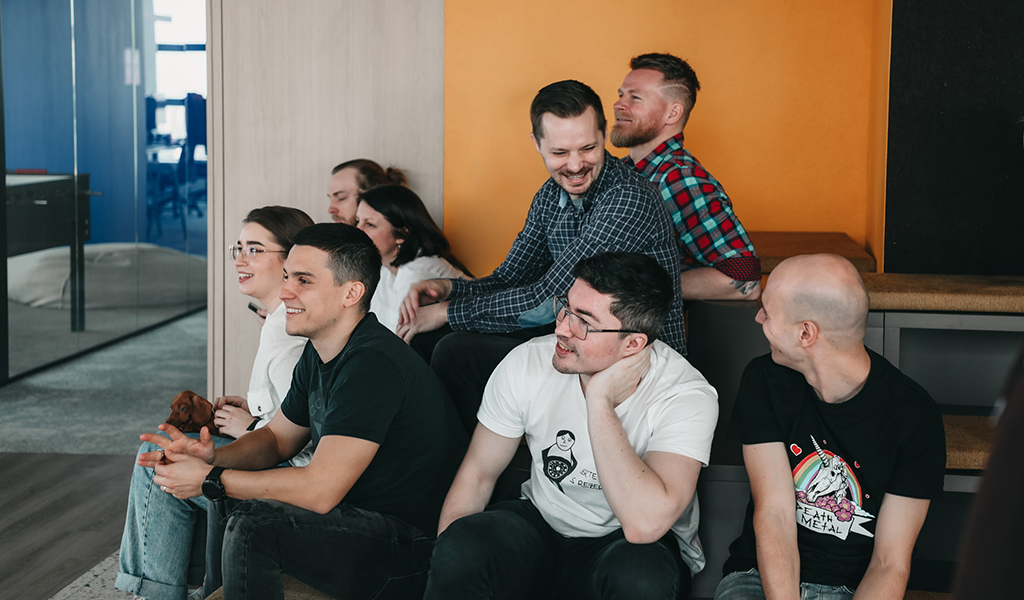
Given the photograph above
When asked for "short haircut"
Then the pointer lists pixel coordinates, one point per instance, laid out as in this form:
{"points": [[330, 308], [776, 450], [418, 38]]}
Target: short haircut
{"points": [[410, 220], [351, 255], [678, 73], [283, 223], [565, 99], [369, 174], [641, 290]]}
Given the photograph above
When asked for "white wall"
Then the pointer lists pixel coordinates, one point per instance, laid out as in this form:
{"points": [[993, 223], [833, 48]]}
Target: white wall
{"points": [[296, 88]]}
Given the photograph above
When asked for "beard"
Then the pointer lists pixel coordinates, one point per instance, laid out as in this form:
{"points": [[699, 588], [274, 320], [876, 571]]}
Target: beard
{"points": [[641, 134]]}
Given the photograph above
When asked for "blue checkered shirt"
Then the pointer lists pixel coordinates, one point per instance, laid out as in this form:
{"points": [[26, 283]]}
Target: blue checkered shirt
{"points": [[621, 212]]}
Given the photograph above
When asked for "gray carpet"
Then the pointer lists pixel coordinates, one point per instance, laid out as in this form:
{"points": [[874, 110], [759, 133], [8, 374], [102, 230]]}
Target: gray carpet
{"points": [[41, 335], [101, 402]]}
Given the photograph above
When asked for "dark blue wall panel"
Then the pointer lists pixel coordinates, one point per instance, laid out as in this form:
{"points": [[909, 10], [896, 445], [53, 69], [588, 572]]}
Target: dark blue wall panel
{"points": [[38, 107]]}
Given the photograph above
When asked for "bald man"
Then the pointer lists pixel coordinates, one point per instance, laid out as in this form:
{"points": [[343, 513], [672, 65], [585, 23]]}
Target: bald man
{"points": [[860, 444]]}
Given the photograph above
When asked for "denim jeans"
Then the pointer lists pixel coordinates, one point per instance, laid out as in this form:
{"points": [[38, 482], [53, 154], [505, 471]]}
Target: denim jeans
{"points": [[509, 551], [347, 553], [747, 586], [162, 548]]}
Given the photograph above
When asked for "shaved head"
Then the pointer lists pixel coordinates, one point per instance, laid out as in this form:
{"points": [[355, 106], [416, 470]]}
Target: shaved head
{"points": [[827, 290]]}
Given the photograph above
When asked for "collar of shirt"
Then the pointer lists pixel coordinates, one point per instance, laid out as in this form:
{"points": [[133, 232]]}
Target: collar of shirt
{"points": [[658, 155], [563, 200]]}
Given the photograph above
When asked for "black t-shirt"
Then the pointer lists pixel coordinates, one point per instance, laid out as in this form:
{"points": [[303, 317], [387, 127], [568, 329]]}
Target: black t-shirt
{"points": [[844, 457], [378, 389]]}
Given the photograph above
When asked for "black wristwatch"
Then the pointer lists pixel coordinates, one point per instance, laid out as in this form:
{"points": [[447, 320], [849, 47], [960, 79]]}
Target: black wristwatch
{"points": [[212, 487]]}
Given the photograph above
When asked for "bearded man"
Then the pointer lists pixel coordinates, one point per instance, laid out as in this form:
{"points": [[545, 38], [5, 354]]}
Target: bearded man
{"points": [[655, 100]]}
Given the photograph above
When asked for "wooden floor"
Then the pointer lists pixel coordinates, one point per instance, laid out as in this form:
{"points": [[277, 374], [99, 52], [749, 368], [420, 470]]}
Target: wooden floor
{"points": [[60, 514]]}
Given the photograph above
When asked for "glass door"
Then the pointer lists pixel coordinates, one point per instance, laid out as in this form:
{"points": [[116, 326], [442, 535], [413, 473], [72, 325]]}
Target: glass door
{"points": [[104, 140]]}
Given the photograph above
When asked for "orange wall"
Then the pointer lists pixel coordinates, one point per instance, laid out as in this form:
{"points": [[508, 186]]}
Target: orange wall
{"points": [[784, 117], [878, 129]]}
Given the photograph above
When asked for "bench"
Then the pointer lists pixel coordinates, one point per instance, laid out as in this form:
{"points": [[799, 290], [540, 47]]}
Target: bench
{"points": [[773, 247]]}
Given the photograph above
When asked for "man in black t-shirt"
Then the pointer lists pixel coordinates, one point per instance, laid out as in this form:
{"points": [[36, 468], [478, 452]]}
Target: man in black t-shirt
{"points": [[359, 520], [834, 436]]}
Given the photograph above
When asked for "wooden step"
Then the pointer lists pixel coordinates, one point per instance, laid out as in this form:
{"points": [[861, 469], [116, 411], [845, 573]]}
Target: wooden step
{"points": [[773, 247], [968, 441], [945, 293]]}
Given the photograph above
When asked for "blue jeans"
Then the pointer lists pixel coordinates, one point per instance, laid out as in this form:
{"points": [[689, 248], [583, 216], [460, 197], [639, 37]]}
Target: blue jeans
{"points": [[162, 548], [509, 551], [747, 586], [347, 553]]}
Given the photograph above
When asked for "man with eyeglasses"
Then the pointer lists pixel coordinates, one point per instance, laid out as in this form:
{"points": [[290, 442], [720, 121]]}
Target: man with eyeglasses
{"points": [[618, 426]]}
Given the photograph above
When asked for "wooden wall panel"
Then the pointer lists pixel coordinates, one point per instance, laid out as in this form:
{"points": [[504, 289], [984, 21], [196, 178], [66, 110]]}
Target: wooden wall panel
{"points": [[297, 87]]}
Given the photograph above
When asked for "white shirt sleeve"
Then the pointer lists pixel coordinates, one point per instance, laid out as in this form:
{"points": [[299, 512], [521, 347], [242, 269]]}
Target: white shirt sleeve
{"points": [[684, 422], [272, 370], [686, 427], [424, 267], [500, 410]]}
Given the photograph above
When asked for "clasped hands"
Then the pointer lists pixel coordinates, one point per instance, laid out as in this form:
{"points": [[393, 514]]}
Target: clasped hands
{"points": [[182, 463], [425, 308], [232, 415]]}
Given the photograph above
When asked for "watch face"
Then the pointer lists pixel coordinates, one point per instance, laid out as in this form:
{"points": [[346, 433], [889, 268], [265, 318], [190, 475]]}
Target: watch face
{"points": [[213, 490], [212, 487]]}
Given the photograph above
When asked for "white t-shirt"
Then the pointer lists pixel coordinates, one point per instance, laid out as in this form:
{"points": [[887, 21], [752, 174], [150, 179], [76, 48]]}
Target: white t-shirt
{"points": [[271, 376], [674, 409], [393, 288]]}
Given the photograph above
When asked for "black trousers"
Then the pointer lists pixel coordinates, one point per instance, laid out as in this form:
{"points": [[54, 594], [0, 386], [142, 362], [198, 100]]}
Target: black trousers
{"points": [[510, 552], [464, 361]]}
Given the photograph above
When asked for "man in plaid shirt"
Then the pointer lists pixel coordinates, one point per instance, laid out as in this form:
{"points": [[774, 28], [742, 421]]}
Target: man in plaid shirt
{"points": [[592, 203], [655, 100]]}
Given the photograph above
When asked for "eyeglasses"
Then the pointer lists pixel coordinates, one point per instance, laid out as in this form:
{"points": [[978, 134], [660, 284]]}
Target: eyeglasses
{"points": [[250, 252], [577, 325]]}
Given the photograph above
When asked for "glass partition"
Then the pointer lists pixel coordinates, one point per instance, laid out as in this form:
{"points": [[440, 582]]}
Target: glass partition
{"points": [[104, 140]]}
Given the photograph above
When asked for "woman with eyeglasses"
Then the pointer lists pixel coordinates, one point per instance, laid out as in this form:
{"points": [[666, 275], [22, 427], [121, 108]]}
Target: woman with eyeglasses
{"points": [[259, 255], [412, 247], [162, 549]]}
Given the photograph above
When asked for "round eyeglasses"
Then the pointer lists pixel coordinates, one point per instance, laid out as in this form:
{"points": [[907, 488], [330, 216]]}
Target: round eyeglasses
{"points": [[250, 252], [578, 326]]}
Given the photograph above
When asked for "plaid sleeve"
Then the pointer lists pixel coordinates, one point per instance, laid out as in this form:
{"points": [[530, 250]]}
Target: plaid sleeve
{"points": [[710, 234], [526, 260], [621, 220]]}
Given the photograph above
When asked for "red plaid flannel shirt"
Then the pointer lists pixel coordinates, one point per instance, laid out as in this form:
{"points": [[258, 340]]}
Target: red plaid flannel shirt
{"points": [[710, 234]]}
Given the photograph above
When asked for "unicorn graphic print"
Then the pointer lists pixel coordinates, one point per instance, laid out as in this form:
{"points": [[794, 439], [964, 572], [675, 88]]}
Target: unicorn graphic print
{"points": [[828, 494]]}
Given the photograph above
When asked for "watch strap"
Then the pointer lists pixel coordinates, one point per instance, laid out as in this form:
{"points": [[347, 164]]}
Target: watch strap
{"points": [[212, 486]]}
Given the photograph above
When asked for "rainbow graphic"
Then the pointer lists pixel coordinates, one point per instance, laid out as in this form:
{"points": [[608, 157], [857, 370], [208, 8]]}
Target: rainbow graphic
{"points": [[808, 467]]}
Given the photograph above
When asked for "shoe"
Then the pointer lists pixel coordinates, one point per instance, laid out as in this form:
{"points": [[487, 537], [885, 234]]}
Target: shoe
{"points": [[197, 594]]}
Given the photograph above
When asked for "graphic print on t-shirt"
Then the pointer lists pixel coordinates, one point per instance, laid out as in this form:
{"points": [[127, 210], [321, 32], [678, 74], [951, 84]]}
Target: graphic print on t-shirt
{"points": [[558, 458], [828, 494], [317, 413]]}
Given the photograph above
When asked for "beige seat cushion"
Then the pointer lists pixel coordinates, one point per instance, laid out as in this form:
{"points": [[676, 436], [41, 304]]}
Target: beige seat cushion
{"points": [[116, 276]]}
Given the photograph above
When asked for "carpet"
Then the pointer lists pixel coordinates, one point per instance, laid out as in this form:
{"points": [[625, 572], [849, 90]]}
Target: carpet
{"points": [[101, 402]]}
